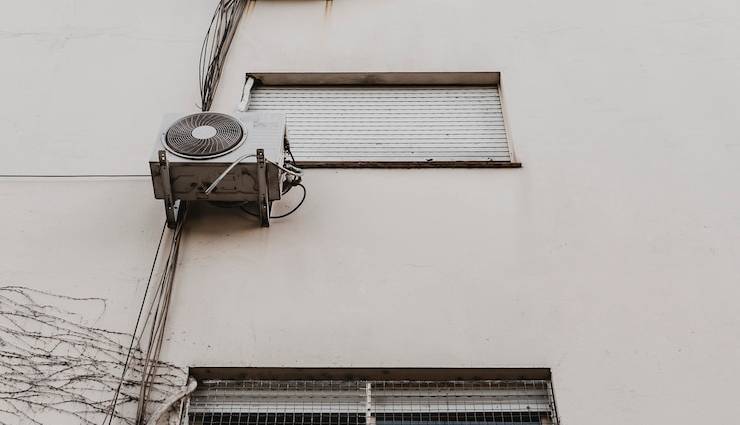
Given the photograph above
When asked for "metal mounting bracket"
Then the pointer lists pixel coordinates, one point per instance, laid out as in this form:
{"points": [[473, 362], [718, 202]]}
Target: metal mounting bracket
{"points": [[263, 201], [172, 207]]}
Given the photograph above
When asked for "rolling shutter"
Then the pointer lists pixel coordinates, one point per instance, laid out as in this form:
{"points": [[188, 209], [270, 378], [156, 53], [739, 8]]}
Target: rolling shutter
{"points": [[337, 126]]}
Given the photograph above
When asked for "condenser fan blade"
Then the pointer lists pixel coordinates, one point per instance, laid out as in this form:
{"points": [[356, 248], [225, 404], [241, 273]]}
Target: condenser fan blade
{"points": [[204, 135]]}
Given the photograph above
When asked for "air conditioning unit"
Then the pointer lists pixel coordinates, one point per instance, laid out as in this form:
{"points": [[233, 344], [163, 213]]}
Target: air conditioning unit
{"points": [[232, 159]]}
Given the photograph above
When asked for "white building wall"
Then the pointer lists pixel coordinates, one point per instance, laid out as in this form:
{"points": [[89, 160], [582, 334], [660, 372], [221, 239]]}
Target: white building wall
{"points": [[610, 257]]}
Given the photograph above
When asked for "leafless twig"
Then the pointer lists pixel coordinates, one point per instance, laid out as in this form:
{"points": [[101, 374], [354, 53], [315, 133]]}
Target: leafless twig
{"points": [[53, 361]]}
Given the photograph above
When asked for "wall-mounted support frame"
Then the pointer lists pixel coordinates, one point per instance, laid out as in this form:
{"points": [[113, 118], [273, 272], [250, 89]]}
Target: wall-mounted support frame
{"points": [[263, 200], [172, 207]]}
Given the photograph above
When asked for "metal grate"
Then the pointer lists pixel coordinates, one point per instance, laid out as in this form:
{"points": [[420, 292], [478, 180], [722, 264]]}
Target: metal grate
{"points": [[204, 135], [372, 403], [363, 125]]}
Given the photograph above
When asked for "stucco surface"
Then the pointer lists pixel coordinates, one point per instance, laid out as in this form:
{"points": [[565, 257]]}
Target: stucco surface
{"points": [[610, 257]]}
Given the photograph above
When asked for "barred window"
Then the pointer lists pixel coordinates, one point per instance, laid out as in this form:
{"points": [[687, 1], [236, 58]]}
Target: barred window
{"points": [[332, 402]]}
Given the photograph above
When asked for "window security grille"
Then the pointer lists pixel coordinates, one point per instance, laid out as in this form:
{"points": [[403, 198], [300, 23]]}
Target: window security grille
{"points": [[253, 402]]}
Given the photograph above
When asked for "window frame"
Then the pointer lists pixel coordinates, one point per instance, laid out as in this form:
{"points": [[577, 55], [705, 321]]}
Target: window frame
{"points": [[390, 79]]}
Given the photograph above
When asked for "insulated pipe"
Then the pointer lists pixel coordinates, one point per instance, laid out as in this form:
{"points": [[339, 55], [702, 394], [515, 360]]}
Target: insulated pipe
{"points": [[295, 172], [192, 384], [226, 171], [246, 92]]}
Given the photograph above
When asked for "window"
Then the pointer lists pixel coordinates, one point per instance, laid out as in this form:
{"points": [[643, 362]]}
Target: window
{"points": [[389, 119], [372, 402]]}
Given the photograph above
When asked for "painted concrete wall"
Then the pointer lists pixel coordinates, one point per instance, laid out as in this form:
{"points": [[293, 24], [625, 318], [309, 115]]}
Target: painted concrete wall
{"points": [[611, 257]]}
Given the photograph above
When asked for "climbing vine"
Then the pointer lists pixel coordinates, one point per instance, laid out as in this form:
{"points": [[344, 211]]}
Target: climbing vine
{"points": [[54, 361]]}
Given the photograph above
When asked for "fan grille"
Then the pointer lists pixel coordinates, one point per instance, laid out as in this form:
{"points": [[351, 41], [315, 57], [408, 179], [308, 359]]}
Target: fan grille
{"points": [[204, 135]]}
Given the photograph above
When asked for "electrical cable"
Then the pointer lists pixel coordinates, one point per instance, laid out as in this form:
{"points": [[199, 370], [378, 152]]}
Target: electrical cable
{"points": [[287, 148], [246, 210], [295, 171], [160, 305], [297, 206], [215, 47], [112, 408]]}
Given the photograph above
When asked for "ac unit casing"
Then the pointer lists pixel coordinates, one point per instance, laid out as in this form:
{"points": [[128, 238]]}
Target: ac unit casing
{"points": [[177, 178]]}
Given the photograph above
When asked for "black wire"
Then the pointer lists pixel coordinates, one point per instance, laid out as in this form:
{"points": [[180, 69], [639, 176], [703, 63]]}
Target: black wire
{"points": [[160, 318], [216, 45], [136, 326], [292, 158], [246, 210], [286, 146], [297, 206]]}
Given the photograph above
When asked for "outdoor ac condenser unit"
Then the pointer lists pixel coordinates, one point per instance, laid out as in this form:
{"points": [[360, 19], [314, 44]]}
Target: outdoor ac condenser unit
{"points": [[210, 156]]}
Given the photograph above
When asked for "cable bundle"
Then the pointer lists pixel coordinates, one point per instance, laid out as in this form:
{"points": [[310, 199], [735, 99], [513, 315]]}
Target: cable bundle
{"points": [[155, 320], [215, 47], [158, 312]]}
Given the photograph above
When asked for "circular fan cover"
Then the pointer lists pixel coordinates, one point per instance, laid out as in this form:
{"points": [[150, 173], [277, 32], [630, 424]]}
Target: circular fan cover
{"points": [[204, 135]]}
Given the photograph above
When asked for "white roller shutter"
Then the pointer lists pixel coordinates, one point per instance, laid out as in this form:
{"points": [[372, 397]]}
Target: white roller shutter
{"points": [[391, 125]]}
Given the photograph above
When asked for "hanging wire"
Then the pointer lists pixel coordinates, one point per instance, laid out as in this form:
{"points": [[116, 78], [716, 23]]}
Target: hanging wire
{"points": [[245, 206], [111, 411], [158, 311], [216, 45]]}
